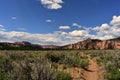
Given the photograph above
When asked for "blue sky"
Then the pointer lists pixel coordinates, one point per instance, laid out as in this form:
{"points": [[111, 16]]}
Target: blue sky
{"points": [[58, 22]]}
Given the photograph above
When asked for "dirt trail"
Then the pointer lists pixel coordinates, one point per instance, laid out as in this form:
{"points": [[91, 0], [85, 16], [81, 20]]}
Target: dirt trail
{"points": [[92, 72]]}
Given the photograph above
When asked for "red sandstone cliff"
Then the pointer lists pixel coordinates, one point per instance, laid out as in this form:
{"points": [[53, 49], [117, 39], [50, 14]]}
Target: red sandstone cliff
{"points": [[95, 44]]}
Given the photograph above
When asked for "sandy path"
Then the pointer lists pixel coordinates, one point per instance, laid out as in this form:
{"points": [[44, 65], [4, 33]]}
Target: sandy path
{"points": [[92, 73]]}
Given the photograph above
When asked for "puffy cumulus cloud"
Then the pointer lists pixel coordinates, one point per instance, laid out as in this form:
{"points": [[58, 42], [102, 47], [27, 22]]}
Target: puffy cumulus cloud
{"points": [[73, 36], [52, 4], [108, 31], [64, 27], [116, 20], [102, 27], [79, 33], [55, 38]]}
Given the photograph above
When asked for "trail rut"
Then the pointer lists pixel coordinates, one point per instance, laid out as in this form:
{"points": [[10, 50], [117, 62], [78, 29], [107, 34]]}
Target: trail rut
{"points": [[92, 72]]}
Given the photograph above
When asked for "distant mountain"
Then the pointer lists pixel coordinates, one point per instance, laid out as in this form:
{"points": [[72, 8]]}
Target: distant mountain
{"points": [[86, 44], [50, 47], [23, 45]]}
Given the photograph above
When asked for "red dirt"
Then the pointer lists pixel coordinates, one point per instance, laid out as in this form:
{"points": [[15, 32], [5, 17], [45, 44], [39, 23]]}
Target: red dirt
{"points": [[93, 71]]}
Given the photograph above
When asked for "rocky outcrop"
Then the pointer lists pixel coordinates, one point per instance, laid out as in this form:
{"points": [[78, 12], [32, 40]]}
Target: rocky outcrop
{"points": [[108, 45], [95, 44]]}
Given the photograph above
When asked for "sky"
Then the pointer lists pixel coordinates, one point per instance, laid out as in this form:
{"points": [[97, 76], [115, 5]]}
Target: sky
{"points": [[58, 22]]}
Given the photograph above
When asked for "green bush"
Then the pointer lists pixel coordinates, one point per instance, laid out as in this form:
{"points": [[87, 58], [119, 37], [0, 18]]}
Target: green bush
{"points": [[99, 61], [84, 63], [60, 75], [76, 61], [3, 76], [53, 57], [113, 75]]}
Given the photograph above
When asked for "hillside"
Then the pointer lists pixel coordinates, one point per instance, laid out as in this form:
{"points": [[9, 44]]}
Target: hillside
{"points": [[95, 44], [86, 44]]}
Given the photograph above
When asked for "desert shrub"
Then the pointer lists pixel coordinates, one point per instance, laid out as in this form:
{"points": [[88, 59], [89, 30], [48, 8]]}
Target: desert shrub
{"points": [[53, 57], [65, 66], [43, 65], [84, 63], [76, 60], [3, 76], [92, 55], [71, 58], [99, 61], [6, 64], [16, 57], [54, 65], [43, 72], [60, 75], [113, 75], [25, 66]]}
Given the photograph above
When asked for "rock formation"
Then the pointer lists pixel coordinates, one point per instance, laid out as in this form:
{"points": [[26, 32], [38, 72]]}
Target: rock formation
{"points": [[86, 44], [95, 44]]}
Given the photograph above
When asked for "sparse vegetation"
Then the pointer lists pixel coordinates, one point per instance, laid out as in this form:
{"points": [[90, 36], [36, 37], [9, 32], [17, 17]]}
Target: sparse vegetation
{"points": [[45, 65], [38, 65]]}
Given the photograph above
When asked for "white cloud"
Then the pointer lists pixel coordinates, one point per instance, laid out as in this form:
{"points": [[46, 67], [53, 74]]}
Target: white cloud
{"points": [[76, 25], [56, 38], [64, 27], [108, 31], [2, 28], [116, 20], [74, 36], [52, 4], [48, 20], [102, 27], [14, 36], [79, 33], [64, 33]]}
